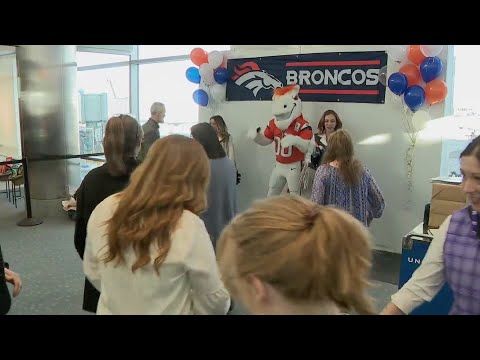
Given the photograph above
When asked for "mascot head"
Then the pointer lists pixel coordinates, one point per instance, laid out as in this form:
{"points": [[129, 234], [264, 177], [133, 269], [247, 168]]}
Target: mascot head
{"points": [[286, 106]]}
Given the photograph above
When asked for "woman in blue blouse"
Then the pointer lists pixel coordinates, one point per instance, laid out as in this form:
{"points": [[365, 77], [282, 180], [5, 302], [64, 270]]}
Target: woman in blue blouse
{"points": [[343, 181]]}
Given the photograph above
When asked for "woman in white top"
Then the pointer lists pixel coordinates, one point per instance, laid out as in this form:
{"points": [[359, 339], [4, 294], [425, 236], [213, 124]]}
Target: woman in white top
{"points": [[147, 251], [224, 137], [287, 255], [328, 123], [454, 254]]}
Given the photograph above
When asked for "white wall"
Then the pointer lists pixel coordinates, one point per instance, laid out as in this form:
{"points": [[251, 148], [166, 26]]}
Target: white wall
{"points": [[9, 116], [367, 123]]}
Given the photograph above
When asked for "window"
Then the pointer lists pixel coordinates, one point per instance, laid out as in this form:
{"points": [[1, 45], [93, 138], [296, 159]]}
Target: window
{"points": [[165, 82], [102, 93], [155, 51], [91, 58]]}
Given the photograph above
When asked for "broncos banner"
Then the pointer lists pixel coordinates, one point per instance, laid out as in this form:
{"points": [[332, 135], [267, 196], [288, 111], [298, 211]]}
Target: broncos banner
{"points": [[327, 77]]}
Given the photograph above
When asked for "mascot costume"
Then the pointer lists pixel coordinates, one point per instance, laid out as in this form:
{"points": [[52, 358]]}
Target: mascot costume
{"points": [[292, 135]]}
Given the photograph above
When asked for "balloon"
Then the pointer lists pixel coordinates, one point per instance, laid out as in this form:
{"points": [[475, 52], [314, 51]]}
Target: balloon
{"points": [[397, 83], [200, 97], [415, 55], [431, 50], [414, 97], [206, 73], [420, 119], [218, 92], [215, 58], [193, 75], [436, 91], [221, 75], [199, 56], [412, 73], [382, 75], [431, 68], [397, 53]]}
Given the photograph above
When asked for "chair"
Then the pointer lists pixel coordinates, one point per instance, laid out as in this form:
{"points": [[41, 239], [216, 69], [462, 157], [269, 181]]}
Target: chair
{"points": [[6, 171], [17, 181]]}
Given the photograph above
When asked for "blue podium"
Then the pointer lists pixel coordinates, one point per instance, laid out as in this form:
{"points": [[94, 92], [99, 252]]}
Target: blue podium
{"points": [[414, 249]]}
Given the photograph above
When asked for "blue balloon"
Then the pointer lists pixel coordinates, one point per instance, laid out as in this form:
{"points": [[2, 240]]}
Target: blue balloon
{"points": [[397, 83], [220, 75], [200, 97], [414, 97], [431, 68], [193, 75]]}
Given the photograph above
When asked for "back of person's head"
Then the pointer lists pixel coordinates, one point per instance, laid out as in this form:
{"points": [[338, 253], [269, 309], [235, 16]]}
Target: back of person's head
{"points": [[340, 148], [157, 107], [321, 123], [288, 250], [173, 178], [121, 143], [206, 136]]}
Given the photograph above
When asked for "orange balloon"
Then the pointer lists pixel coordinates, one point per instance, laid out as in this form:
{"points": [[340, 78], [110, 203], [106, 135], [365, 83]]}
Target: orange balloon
{"points": [[415, 55], [199, 56], [412, 73], [435, 91]]}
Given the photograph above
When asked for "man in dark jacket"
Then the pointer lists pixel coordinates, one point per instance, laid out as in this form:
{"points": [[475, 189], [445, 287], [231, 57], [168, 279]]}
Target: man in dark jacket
{"points": [[151, 131]]}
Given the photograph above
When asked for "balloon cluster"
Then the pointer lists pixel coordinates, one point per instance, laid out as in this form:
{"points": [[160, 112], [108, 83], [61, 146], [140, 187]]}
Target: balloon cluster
{"points": [[211, 74], [418, 78]]}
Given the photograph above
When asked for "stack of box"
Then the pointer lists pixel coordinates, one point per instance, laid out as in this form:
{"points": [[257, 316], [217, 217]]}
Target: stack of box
{"points": [[447, 196]]}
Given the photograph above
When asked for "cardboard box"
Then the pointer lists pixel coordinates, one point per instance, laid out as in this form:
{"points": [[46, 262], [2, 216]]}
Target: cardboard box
{"points": [[446, 198]]}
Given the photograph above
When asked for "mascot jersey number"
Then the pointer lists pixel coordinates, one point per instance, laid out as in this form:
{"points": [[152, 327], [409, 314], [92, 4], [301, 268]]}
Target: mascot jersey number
{"points": [[292, 135]]}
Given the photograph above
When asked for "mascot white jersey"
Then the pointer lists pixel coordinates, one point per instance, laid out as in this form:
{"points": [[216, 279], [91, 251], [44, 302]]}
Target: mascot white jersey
{"points": [[292, 135]]}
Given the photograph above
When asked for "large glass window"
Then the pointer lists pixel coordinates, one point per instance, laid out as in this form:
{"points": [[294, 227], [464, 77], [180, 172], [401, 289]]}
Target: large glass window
{"points": [[91, 58], [155, 51], [165, 82], [102, 93]]}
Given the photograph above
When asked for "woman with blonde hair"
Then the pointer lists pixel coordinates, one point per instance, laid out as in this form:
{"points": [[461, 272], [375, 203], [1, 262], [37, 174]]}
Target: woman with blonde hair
{"points": [[287, 255], [121, 144], [343, 181], [147, 250]]}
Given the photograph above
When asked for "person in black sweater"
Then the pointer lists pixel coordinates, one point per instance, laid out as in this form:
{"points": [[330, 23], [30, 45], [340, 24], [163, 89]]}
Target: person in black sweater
{"points": [[7, 275], [122, 142]]}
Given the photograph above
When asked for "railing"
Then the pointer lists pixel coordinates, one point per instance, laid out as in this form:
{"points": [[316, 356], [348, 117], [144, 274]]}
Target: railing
{"points": [[30, 220]]}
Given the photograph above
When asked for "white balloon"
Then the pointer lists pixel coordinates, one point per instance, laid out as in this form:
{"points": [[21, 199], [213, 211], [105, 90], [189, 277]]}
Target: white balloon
{"points": [[397, 52], [218, 92], [420, 119], [215, 58], [431, 50], [206, 74], [382, 76]]}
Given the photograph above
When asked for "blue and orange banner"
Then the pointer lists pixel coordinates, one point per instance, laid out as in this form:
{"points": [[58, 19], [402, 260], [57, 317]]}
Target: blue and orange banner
{"points": [[325, 77]]}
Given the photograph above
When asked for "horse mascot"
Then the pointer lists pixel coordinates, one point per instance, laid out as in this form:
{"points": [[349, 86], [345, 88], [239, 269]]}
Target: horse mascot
{"points": [[292, 135]]}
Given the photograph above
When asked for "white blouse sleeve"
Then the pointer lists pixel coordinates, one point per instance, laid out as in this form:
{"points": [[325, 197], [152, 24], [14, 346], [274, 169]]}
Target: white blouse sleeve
{"points": [[231, 150], [428, 279], [209, 294], [90, 260]]}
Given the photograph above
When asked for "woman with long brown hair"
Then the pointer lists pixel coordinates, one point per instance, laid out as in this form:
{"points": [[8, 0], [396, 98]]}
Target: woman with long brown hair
{"points": [[286, 255], [121, 144], [147, 249], [344, 182], [222, 192]]}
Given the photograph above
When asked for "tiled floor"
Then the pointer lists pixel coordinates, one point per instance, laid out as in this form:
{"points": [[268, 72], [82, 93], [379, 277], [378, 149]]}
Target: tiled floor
{"points": [[52, 274]]}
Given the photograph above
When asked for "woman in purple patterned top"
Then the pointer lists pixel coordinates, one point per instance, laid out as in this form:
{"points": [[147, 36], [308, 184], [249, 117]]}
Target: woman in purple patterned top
{"points": [[453, 256], [342, 181]]}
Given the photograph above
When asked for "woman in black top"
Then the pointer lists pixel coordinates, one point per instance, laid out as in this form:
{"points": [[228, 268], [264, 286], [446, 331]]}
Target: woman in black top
{"points": [[122, 142]]}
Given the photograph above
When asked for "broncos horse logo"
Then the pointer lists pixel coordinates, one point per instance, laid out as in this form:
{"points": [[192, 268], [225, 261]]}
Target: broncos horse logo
{"points": [[255, 79]]}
